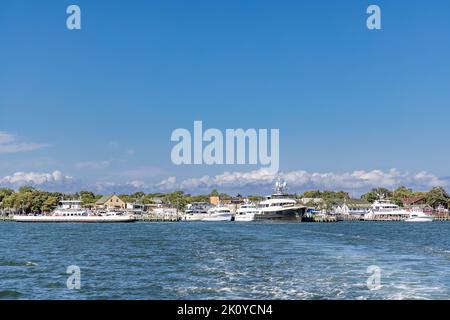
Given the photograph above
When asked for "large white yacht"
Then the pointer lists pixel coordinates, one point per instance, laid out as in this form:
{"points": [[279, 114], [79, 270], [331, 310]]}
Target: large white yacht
{"points": [[280, 206], [384, 210], [246, 212], [218, 213], [196, 211], [72, 211]]}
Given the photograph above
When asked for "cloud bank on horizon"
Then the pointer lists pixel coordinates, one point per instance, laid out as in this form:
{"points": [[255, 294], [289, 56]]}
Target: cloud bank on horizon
{"points": [[252, 182]]}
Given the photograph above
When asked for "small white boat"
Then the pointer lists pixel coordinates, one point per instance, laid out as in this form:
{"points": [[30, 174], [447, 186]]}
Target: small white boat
{"points": [[419, 216], [219, 213], [246, 212]]}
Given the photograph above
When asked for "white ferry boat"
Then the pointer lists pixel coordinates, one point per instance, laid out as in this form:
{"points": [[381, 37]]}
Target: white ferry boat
{"points": [[72, 211], [246, 212], [384, 210], [280, 206]]}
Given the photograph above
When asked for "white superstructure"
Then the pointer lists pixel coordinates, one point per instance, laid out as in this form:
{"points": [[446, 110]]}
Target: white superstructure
{"points": [[246, 212], [196, 211], [218, 213], [384, 210]]}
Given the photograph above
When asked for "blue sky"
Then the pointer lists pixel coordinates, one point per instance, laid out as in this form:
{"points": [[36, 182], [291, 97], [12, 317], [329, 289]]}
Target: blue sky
{"points": [[98, 105]]}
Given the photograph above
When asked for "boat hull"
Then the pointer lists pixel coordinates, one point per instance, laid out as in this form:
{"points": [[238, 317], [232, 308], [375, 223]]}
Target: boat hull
{"points": [[213, 218], [79, 219], [193, 217], [288, 214], [244, 217], [419, 220]]}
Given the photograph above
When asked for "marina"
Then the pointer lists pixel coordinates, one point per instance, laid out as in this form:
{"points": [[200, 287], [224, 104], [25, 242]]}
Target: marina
{"points": [[280, 206]]}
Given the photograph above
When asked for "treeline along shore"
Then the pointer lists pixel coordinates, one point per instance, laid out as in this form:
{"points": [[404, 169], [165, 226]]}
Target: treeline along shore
{"points": [[28, 199]]}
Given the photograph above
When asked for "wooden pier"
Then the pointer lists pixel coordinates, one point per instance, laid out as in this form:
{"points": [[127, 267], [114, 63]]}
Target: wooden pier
{"points": [[155, 217], [441, 218], [320, 219]]}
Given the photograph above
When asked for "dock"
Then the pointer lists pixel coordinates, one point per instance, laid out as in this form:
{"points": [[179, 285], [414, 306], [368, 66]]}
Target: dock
{"points": [[157, 217], [320, 219], [442, 218]]}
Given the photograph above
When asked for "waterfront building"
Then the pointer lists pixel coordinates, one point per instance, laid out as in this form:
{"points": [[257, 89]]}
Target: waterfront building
{"points": [[137, 208], [233, 203], [110, 202], [414, 201], [352, 207]]}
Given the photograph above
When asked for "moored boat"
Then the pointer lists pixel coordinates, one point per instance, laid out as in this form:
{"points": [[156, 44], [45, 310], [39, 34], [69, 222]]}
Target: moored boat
{"points": [[218, 213], [280, 206], [72, 211], [419, 216], [246, 212], [196, 211], [384, 210]]}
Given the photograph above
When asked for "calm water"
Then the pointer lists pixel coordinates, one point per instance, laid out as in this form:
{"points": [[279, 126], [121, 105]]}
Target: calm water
{"points": [[225, 260]]}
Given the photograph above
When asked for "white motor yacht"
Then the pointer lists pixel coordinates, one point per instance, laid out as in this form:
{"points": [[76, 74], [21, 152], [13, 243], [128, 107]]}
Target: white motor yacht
{"points": [[196, 211], [384, 210], [280, 206], [246, 212], [419, 216], [218, 213]]}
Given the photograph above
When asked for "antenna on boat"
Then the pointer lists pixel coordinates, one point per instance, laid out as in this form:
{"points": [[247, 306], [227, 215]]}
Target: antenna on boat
{"points": [[280, 186]]}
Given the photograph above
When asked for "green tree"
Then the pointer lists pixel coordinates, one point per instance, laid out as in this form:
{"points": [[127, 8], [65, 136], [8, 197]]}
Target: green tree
{"points": [[5, 192], [50, 204], [214, 193], [375, 193], [87, 197], [312, 194], [437, 196], [401, 193]]}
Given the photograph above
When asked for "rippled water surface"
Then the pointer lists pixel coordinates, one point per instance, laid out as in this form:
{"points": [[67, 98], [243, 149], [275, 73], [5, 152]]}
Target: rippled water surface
{"points": [[225, 260]]}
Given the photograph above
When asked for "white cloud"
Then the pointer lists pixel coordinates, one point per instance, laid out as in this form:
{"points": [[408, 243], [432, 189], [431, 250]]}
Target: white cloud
{"points": [[10, 144], [260, 180], [168, 184], [44, 180], [252, 182], [138, 184], [6, 137]]}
